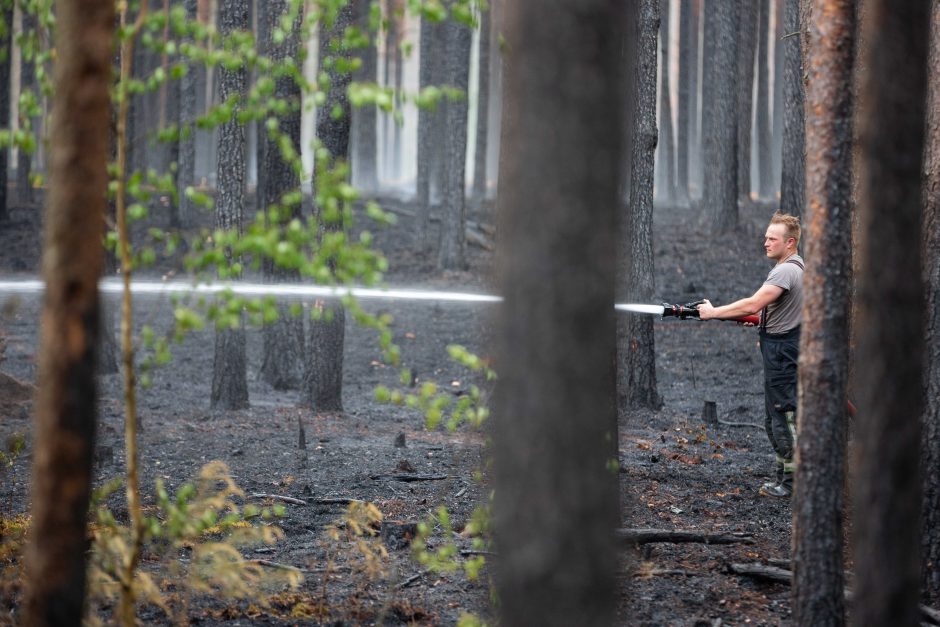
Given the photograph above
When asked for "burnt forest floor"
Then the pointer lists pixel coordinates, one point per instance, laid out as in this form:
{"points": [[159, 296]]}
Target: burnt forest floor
{"points": [[677, 473]]}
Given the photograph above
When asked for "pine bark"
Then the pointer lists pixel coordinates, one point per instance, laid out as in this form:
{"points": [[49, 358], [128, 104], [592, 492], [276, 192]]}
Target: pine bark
{"points": [[452, 245], [229, 370], [747, 47], [695, 100], [283, 339], [779, 7], [6, 53], [891, 314], [636, 343], [762, 105], [666, 162], [429, 141], [688, 68], [793, 168], [72, 263], [719, 116], [322, 386], [481, 148], [558, 194], [931, 251], [186, 169], [819, 580]]}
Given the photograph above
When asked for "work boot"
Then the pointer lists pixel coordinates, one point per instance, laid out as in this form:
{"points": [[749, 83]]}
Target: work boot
{"points": [[778, 477], [783, 490]]}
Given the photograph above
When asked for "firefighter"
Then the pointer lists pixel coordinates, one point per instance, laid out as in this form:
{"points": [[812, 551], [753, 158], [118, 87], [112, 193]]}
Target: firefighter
{"points": [[779, 302]]}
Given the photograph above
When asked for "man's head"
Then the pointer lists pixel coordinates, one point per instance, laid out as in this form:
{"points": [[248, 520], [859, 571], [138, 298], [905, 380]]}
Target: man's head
{"points": [[782, 237]]}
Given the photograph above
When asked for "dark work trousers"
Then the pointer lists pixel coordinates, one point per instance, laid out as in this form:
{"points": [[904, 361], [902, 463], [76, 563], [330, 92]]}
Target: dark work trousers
{"points": [[781, 352]]}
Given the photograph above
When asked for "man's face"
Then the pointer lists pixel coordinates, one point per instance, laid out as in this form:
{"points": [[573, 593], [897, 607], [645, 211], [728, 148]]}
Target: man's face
{"points": [[775, 242]]}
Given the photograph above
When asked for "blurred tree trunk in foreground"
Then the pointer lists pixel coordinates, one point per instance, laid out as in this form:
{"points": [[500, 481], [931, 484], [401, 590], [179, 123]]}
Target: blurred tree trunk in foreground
{"points": [[891, 314], [636, 348], [719, 116], [72, 261], [819, 581], [557, 491], [931, 250], [229, 370]]}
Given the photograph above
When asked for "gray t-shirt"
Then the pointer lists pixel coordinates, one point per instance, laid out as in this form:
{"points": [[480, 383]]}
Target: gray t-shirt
{"points": [[783, 314]]}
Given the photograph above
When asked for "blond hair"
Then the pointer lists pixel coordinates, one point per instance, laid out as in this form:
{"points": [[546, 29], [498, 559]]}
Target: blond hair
{"points": [[791, 225]]}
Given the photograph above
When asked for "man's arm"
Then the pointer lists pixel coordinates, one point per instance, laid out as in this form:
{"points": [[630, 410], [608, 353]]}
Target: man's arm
{"points": [[744, 307]]}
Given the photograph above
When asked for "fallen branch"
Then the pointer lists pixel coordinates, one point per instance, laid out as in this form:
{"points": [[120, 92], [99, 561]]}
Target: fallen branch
{"points": [[278, 497], [410, 580], [658, 572], [648, 536], [731, 423], [466, 552], [782, 575], [277, 565], [336, 501], [410, 477]]}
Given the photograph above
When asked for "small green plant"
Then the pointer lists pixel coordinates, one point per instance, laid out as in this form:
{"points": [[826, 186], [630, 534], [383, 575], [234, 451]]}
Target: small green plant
{"points": [[15, 444], [190, 545]]}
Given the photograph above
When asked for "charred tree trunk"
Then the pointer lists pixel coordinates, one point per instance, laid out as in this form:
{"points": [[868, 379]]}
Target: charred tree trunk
{"points": [[429, 144], [779, 7], [747, 46], [24, 159], [6, 52], [762, 106], [452, 246], [322, 387], [665, 166], [481, 149], [819, 581], [636, 344], [229, 370], [558, 194], [890, 317], [719, 116], [72, 261], [282, 360], [688, 68], [695, 100], [793, 169], [186, 168], [931, 250]]}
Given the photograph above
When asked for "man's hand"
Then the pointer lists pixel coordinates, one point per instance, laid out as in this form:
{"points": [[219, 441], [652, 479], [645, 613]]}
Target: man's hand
{"points": [[706, 311]]}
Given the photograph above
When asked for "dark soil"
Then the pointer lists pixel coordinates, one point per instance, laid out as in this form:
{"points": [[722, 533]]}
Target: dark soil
{"points": [[677, 473]]}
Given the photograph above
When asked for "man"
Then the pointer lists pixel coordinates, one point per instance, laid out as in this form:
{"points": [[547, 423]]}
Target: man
{"points": [[779, 302]]}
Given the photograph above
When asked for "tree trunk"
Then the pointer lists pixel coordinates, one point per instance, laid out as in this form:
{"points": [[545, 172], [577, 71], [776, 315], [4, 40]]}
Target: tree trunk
{"points": [[282, 360], [747, 45], [891, 315], [762, 106], [452, 247], [186, 169], [688, 68], [695, 91], [793, 169], [24, 159], [365, 119], [777, 121], [429, 142], [481, 148], [556, 497], [6, 52], [818, 584], [322, 387], [72, 262], [719, 116], [636, 344], [229, 370], [665, 185], [931, 250]]}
